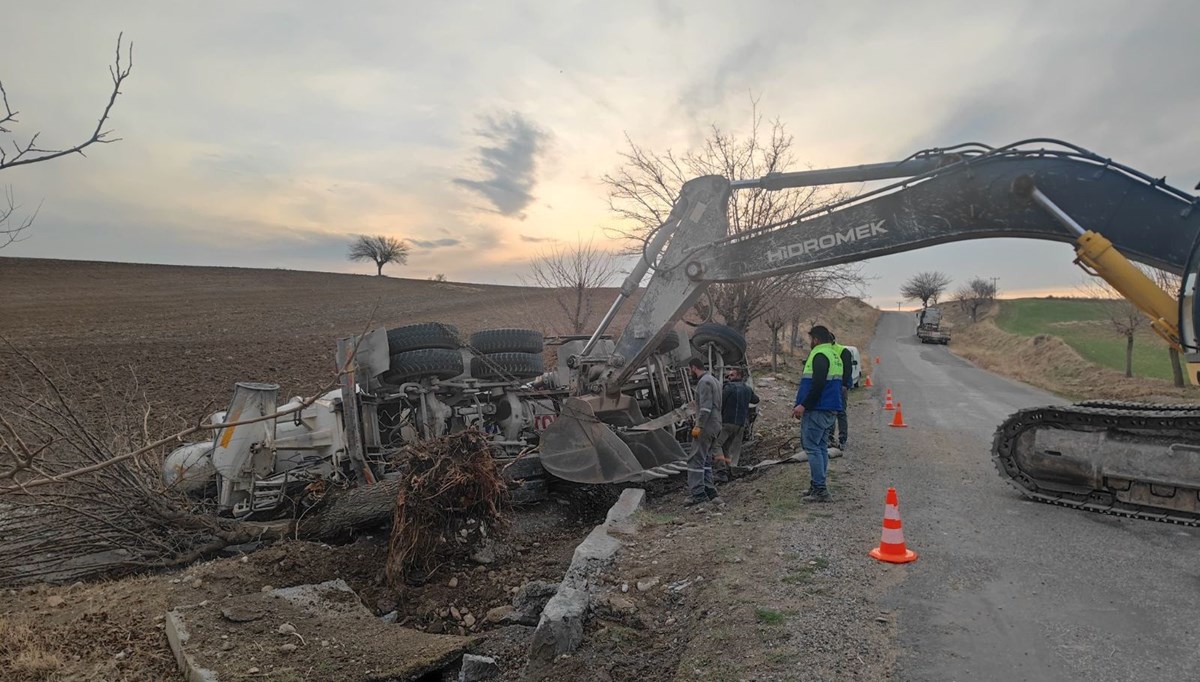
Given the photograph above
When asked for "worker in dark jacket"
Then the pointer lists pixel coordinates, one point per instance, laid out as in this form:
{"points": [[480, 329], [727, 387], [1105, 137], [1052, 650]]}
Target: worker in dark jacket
{"points": [[736, 398], [818, 400], [837, 446]]}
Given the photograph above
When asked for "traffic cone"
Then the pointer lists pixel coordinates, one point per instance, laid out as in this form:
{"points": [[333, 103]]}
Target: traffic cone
{"points": [[898, 420], [868, 383], [891, 547], [877, 359], [887, 401]]}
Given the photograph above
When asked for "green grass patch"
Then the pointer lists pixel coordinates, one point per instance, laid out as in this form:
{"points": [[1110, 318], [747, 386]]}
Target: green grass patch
{"points": [[652, 518], [769, 616], [1083, 325]]}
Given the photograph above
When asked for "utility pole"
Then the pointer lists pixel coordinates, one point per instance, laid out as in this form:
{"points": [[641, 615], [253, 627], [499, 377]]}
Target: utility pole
{"points": [[995, 288]]}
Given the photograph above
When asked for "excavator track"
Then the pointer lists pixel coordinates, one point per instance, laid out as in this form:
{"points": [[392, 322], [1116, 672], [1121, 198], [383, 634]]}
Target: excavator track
{"points": [[1138, 460]]}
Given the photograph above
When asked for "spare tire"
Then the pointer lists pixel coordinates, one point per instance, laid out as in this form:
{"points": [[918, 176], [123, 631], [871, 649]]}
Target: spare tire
{"points": [[413, 365], [728, 340], [424, 335], [504, 366], [508, 341]]}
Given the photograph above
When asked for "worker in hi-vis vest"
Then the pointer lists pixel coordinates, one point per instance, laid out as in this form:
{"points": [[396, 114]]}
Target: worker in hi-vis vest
{"points": [[818, 401]]}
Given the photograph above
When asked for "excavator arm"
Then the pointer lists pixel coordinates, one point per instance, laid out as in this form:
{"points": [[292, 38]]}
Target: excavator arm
{"points": [[1067, 195], [1036, 189]]}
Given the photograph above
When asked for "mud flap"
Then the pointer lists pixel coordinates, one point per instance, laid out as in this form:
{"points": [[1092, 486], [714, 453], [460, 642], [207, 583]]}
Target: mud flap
{"points": [[581, 447]]}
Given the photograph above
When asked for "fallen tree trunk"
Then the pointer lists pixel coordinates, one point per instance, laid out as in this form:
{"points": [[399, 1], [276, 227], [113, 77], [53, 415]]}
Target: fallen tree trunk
{"points": [[338, 515]]}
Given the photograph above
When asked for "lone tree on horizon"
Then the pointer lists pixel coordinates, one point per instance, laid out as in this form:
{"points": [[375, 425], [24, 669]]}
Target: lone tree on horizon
{"points": [[379, 249], [926, 287]]}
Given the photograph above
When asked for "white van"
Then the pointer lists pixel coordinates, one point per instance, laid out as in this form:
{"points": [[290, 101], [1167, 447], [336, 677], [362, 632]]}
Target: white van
{"points": [[856, 372]]}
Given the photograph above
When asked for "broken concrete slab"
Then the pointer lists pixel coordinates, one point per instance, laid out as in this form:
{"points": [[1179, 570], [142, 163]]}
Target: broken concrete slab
{"points": [[323, 627], [560, 629], [529, 601], [477, 668]]}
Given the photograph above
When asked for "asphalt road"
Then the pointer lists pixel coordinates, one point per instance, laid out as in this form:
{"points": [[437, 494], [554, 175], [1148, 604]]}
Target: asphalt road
{"points": [[1006, 588]]}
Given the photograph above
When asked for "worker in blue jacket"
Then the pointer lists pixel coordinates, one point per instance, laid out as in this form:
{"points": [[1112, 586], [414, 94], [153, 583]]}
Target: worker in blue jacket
{"points": [[818, 401]]}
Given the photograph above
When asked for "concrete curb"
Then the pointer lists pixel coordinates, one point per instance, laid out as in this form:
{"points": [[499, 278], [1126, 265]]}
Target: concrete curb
{"points": [[560, 629], [177, 638]]}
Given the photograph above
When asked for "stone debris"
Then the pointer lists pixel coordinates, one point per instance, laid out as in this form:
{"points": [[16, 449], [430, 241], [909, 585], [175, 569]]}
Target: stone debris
{"points": [[477, 668]]}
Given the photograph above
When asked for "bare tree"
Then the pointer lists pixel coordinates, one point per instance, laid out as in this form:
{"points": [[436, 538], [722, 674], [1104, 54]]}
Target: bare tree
{"points": [[975, 295], [642, 190], [15, 153], [1121, 316], [11, 225], [926, 287], [1170, 283], [379, 249], [784, 311], [573, 272]]}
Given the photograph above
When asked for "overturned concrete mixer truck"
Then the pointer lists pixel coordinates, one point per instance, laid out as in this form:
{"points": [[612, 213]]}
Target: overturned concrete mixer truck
{"points": [[421, 381]]}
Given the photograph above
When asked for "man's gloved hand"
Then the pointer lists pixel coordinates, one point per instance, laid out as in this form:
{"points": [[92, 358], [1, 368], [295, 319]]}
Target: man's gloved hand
{"points": [[797, 411], [696, 431]]}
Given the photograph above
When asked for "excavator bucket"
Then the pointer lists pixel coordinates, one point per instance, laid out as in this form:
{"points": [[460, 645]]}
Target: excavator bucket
{"points": [[592, 442]]}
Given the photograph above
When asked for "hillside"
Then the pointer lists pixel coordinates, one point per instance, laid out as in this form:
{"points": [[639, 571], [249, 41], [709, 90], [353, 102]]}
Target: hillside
{"points": [[1084, 326], [185, 335], [1062, 346]]}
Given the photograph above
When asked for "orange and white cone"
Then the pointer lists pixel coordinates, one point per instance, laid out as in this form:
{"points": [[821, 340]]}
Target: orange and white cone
{"points": [[898, 420], [868, 383], [891, 547], [887, 401], [877, 359]]}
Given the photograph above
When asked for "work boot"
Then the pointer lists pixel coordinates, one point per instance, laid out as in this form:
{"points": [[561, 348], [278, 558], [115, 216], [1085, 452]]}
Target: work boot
{"points": [[818, 495], [717, 501], [693, 501], [834, 452]]}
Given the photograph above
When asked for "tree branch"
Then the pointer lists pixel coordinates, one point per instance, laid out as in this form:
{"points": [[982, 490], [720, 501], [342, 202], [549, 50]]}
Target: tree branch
{"points": [[32, 153]]}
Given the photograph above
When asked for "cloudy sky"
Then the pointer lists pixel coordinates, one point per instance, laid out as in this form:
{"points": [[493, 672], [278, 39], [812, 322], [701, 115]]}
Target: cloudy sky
{"points": [[264, 133]]}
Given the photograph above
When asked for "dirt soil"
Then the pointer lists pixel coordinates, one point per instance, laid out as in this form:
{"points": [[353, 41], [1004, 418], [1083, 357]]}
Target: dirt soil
{"points": [[113, 630], [314, 632], [185, 335]]}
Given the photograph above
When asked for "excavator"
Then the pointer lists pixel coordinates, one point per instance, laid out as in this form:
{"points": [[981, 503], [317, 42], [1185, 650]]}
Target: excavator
{"points": [[616, 411], [1132, 459]]}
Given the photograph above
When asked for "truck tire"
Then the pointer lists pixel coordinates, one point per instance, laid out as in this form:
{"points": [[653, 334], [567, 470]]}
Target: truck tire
{"points": [[508, 341], [504, 366], [413, 365], [670, 342], [424, 335], [728, 340]]}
